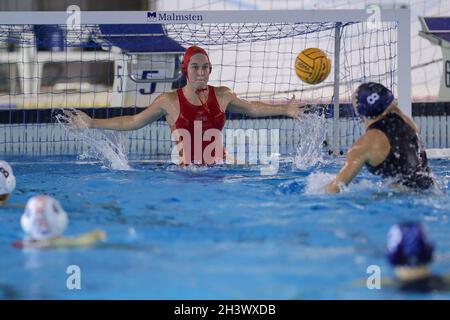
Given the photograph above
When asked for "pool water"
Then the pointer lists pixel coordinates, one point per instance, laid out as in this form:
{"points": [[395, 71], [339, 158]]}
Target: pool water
{"points": [[215, 233]]}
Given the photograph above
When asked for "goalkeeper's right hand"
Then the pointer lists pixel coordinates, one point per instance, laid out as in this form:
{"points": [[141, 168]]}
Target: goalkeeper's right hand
{"points": [[79, 119]]}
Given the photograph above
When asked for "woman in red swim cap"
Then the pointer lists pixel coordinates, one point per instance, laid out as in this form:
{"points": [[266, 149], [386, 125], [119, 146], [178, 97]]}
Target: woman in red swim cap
{"points": [[195, 113]]}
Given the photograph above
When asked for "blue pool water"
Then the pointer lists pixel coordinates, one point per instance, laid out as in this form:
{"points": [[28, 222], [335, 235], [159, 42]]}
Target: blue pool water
{"points": [[216, 233]]}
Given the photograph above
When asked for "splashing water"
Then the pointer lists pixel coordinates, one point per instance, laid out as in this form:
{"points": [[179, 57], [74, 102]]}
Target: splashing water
{"points": [[316, 182], [289, 187], [108, 147], [312, 134]]}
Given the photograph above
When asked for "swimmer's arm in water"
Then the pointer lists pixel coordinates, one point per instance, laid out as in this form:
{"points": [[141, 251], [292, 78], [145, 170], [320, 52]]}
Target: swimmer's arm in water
{"points": [[260, 109], [4, 199], [356, 157], [12, 205], [152, 113], [83, 240], [385, 282], [4, 202]]}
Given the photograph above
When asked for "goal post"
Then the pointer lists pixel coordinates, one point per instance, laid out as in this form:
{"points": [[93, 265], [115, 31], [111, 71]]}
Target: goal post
{"points": [[252, 52]]}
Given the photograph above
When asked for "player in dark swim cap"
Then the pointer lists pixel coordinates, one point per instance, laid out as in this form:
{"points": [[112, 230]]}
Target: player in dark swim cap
{"points": [[410, 252], [372, 99], [7, 182], [390, 146]]}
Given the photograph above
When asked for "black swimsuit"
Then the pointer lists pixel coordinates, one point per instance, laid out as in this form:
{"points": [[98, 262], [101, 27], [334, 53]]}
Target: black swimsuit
{"points": [[430, 283], [407, 160]]}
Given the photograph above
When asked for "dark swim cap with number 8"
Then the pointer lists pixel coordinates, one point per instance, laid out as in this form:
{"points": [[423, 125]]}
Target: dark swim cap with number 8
{"points": [[408, 245], [372, 99]]}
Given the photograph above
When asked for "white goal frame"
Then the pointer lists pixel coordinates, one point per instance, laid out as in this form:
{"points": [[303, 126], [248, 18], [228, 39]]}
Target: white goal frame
{"points": [[401, 16]]}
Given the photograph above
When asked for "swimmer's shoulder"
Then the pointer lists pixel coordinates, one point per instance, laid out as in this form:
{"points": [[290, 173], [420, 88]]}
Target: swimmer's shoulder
{"points": [[169, 102], [165, 101], [170, 97]]}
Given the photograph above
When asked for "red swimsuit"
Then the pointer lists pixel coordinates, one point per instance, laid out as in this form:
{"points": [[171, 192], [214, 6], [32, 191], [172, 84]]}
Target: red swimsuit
{"points": [[208, 116]]}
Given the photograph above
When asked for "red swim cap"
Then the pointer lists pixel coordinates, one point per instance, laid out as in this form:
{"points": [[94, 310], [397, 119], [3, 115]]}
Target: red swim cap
{"points": [[187, 56]]}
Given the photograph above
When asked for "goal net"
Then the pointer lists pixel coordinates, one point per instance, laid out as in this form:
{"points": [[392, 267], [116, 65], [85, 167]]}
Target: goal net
{"points": [[116, 63]]}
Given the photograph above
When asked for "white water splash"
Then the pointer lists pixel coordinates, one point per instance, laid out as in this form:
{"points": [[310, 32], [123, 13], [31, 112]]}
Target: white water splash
{"points": [[316, 182], [365, 184], [311, 128], [107, 147]]}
